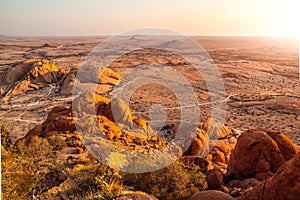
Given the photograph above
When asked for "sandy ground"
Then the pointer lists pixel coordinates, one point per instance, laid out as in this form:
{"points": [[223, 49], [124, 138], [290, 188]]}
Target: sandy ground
{"points": [[260, 75]]}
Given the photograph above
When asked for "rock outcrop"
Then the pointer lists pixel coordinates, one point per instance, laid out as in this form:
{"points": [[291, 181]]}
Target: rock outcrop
{"points": [[113, 119], [284, 184], [37, 73], [258, 154], [211, 148], [60, 131], [90, 80], [243, 163], [215, 142], [31, 75], [95, 124]]}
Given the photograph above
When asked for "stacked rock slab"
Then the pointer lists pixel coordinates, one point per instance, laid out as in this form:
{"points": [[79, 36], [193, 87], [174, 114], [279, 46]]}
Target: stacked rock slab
{"points": [[68, 137], [214, 142], [30, 75], [90, 81]]}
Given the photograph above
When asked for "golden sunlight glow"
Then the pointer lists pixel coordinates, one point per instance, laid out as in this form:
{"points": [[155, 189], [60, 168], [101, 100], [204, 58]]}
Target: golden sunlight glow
{"points": [[287, 18]]}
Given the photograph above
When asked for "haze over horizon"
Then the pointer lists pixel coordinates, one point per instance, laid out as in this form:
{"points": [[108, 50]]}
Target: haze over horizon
{"points": [[191, 17]]}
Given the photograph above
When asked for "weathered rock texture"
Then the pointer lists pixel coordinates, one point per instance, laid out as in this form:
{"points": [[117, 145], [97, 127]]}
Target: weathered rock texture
{"points": [[258, 154], [211, 195], [90, 81], [96, 124], [215, 142], [30, 75], [284, 184]]}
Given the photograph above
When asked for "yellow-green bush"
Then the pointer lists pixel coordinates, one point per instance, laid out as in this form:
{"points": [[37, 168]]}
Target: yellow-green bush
{"points": [[24, 167], [177, 181], [28, 171], [95, 181]]}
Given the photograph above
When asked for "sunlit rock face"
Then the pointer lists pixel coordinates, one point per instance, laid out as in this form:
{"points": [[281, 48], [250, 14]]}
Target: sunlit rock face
{"points": [[95, 123], [31, 75]]}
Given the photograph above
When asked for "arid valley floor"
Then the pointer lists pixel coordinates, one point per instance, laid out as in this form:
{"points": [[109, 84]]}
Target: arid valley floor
{"points": [[260, 74]]}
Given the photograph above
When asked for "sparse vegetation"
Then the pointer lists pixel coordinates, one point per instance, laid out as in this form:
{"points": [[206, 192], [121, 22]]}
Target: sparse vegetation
{"points": [[95, 181], [24, 169], [30, 170], [177, 181]]}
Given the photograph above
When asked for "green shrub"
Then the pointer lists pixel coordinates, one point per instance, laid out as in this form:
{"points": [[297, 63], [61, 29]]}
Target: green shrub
{"points": [[177, 181], [95, 181], [23, 168], [5, 137], [109, 183]]}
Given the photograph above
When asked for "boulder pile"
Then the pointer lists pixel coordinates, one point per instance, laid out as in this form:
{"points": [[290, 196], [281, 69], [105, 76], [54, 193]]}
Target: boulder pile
{"points": [[215, 142], [119, 126], [236, 166], [259, 153], [258, 158], [30, 75], [35, 74], [284, 184]]}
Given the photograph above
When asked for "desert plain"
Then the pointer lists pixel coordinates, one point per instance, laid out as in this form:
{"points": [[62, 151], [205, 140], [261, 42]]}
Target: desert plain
{"points": [[260, 77]]}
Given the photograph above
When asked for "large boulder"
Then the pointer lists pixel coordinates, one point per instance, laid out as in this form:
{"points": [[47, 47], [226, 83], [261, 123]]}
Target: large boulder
{"points": [[97, 75], [117, 111], [215, 142], [211, 195], [215, 130], [214, 179], [68, 83], [90, 81], [284, 184], [258, 154]]}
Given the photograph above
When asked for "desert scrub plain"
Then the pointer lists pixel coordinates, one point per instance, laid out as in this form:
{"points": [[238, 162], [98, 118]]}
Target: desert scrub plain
{"points": [[44, 156], [260, 76]]}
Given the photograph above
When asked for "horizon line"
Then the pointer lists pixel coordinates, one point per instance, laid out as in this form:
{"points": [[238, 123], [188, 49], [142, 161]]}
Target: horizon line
{"points": [[189, 35]]}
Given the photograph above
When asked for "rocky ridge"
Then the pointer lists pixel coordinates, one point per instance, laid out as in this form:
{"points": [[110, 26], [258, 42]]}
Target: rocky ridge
{"points": [[228, 166], [30, 75]]}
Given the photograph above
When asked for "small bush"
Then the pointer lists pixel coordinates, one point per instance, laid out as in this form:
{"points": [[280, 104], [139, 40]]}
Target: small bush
{"points": [[177, 181], [24, 167], [109, 183], [95, 181]]}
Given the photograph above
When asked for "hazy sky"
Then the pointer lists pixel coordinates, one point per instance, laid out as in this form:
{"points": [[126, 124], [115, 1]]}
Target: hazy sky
{"points": [[197, 17]]}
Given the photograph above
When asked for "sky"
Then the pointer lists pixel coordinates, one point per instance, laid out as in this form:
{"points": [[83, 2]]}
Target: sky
{"points": [[110, 17]]}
